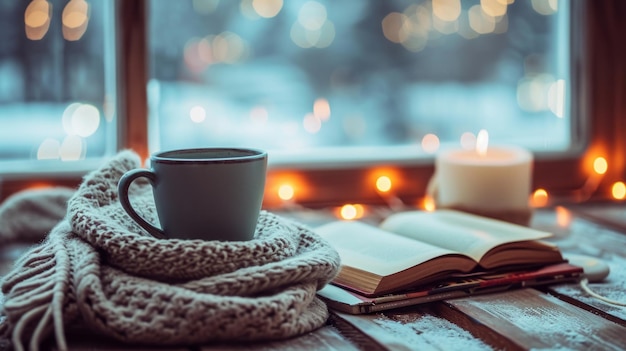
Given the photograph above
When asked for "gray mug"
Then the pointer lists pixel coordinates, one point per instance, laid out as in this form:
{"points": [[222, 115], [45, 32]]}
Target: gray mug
{"points": [[209, 194]]}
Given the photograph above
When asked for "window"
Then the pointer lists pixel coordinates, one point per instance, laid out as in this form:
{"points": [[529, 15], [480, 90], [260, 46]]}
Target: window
{"points": [[163, 70], [377, 81], [57, 97]]}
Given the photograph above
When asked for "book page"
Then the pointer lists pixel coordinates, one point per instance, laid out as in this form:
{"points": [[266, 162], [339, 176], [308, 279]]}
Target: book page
{"points": [[458, 231], [371, 249]]}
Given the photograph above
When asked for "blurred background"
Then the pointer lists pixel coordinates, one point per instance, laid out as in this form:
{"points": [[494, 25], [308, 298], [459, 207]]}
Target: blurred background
{"points": [[302, 76]]}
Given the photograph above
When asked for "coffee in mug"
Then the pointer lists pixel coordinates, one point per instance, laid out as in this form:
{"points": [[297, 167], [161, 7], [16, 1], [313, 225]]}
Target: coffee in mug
{"points": [[208, 194]]}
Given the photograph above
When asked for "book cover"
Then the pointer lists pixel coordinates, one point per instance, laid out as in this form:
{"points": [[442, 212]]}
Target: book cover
{"points": [[352, 302]]}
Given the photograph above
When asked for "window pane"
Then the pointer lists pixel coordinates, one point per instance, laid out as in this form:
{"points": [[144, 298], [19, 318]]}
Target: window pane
{"points": [[397, 77], [56, 91]]}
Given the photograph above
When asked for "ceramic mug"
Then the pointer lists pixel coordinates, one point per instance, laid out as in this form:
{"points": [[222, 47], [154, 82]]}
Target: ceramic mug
{"points": [[209, 194]]}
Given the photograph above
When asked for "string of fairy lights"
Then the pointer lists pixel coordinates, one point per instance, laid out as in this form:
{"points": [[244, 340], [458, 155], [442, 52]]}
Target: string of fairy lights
{"points": [[384, 185], [74, 18]]}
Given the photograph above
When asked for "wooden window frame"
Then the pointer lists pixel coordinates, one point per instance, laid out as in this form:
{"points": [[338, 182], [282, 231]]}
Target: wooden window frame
{"points": [[567, 179]]}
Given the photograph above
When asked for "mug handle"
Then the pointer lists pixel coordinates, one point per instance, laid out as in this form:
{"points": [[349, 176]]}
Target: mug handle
{"points": [[122, 189]]}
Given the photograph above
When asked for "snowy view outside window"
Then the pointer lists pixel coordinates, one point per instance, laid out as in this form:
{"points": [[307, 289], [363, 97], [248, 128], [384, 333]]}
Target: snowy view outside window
{"points": [[57, 79], [305, 75], [301, 77]]}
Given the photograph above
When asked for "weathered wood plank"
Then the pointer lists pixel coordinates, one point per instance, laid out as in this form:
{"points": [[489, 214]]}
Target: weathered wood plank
{"points": [[610, 214], [325, 338], [579, 235], [409, 329], [613, 288], [534, 320], [522, 319]]}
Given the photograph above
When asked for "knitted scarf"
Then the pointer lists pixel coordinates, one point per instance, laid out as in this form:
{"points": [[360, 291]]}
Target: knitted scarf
{"points": [[99, 269]]}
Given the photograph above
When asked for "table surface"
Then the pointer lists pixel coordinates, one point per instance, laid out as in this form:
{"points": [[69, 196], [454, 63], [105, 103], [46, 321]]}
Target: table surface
{"points": [[561, 317]]}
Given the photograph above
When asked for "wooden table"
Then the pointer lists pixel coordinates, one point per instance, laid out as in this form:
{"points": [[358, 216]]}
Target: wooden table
{"points": [[561, 317]]}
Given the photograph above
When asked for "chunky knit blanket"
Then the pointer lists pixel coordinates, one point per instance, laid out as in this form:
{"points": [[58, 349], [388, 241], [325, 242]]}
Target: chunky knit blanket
{"points": [[97, 268]]}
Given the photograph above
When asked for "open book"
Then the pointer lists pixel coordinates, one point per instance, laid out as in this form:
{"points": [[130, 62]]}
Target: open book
{"points": [[413, 248]]}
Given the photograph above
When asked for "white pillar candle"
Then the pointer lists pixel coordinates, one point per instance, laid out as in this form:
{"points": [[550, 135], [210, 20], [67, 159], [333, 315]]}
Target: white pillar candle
{"points": [[495, 180]]}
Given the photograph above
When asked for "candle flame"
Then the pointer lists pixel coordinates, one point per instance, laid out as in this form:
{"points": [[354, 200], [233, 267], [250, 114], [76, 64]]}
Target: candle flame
{"points": [[482, 142]]}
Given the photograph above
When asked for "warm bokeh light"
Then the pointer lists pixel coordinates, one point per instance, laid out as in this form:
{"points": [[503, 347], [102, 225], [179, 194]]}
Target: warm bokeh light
{"points": [[563, 217], [283, 188], [40, 186], [447, 10], [197, 54], [540, 198], [267, 8], [311, 123], [351, 212], [430, 143], [72, 148], [197, 114], [419, 24], [75, 19], [618, 191], [444, 27], [413, 28], [394, 27], [225, 47], [49, 149], [324, 36], [600, 165], [468, 141], [384, 179], [302, 37], [286, 192], [321, 109], [479, 21], [556, 98], [204, 51], [482, 142], [37, 19], [312, 29], [80, 119], [312, 15], [383, 184], [545, 7], [228, 47], [428, 203], [85, 120], [494, 8], [67, 116]]}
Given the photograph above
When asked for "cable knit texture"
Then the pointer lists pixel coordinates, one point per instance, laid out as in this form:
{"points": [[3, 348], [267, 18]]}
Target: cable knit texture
{"points": [[98, 268]]}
